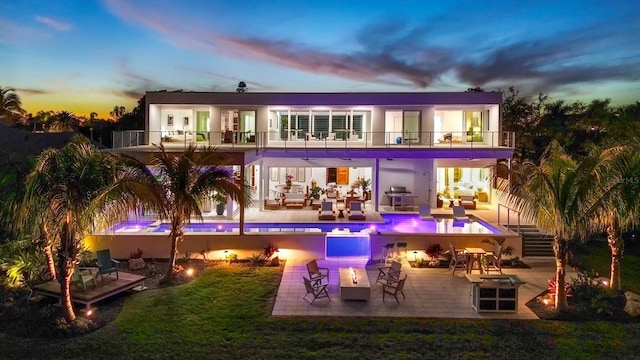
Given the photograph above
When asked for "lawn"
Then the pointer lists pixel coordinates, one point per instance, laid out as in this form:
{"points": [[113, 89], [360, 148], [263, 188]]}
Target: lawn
{"points": [[225, 314], [598, 257]]}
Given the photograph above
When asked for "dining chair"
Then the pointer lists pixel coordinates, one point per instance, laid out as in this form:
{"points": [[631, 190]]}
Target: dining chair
{"points": [[458, 259]]}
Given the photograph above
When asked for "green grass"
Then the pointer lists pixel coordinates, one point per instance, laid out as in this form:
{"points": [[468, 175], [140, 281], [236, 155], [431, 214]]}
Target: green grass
{"points": [[598, 258], [224, 314]]}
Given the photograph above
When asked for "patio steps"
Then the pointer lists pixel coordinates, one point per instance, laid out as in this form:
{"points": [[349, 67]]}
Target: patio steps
{"points": [[534, 242]]}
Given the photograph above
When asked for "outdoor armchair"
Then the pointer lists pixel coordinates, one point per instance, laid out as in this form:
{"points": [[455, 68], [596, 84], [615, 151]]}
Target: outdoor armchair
{"points": [[316, 273], [389, 274], [83, 276], [394, 289], [106, 265], [314, 289]]}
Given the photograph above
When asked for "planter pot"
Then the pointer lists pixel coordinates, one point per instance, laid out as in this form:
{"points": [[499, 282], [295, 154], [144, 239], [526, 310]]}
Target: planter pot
{"points": [[220, 208]]}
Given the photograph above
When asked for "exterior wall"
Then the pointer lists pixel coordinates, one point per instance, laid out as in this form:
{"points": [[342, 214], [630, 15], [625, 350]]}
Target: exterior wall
{"points": [[292, 246], [415, 174]]}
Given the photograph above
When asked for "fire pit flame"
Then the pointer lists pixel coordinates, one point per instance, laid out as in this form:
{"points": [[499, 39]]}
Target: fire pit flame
{"points": [[354, 278]]}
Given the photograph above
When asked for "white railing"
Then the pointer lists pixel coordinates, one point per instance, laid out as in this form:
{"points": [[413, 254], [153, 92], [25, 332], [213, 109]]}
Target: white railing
{"points": [[320, 139], [509, 211]]}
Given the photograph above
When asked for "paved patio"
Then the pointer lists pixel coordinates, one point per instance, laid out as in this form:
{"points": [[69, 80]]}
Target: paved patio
{"points": [[430, 292]]}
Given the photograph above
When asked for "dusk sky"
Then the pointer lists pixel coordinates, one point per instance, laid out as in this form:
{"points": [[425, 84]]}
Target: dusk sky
{"points": [[86, 56]]}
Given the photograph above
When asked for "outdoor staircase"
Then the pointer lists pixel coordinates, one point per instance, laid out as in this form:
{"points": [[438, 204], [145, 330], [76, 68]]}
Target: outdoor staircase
{"points": [[534, 242]]}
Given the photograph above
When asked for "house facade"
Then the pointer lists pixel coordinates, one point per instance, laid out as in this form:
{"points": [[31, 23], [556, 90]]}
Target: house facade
{"points": [[438, 146]]}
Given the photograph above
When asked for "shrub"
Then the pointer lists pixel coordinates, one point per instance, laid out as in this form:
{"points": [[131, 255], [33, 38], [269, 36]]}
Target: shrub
{"points": [[136, 254], [434, 250], [589, 294], [256, 260], [269, 251]]}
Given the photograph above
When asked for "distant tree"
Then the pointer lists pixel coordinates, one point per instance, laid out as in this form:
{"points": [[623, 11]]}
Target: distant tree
{"points": [[522, 116], [10, 106], [118, 112], [242, 87], [475, 89], [64, 121], [43, 118]]}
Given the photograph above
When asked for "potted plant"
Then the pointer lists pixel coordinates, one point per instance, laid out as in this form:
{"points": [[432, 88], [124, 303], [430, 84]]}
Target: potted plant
{"points": [[315, 192], [289, 178], [364, 185], [221, 202]]}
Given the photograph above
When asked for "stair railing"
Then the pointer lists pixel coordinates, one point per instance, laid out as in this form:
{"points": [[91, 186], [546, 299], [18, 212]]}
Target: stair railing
{"points": [[509, 214]]}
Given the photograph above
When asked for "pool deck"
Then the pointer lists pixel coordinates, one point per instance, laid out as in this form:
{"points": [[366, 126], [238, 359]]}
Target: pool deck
{"points": [[430, 292]]}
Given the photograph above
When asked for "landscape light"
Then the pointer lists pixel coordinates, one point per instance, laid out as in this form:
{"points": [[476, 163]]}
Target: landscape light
{"points": [[190, 272]]}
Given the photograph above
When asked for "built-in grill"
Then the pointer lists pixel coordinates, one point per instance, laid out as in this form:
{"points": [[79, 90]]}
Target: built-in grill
{"points": [[396, 193], [397, 190]]}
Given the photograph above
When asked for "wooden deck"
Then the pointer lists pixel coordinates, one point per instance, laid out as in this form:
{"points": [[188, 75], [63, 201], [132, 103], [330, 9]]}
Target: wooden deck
{"points": [[105, 288]]}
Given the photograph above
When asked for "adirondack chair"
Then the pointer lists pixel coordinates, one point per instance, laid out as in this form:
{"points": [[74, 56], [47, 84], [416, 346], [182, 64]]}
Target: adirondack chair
{"points": [[106, 265]]}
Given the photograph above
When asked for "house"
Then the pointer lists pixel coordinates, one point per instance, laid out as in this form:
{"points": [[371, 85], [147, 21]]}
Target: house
{"points": [[429, 143]]}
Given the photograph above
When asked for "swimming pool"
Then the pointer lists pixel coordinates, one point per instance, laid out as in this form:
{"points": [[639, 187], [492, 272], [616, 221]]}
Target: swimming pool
{"points": [[393, 223]]}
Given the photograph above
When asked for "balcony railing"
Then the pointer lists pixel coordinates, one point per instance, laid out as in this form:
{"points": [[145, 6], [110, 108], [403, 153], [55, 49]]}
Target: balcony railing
{"points": [[298, 138]]}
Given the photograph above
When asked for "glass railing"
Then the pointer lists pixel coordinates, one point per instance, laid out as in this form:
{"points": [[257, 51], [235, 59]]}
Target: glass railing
{"points": [[319, 139]]}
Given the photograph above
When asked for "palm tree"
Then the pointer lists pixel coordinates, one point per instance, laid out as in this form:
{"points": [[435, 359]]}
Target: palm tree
{"points": [[10, 105], [64, 121], [118, 112], [73, 190], [186, 181], [622, 210], [562, 197], [43, 117]]}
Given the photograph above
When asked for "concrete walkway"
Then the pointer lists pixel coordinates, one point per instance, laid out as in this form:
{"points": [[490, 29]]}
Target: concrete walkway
{"points": [[430, 292]]}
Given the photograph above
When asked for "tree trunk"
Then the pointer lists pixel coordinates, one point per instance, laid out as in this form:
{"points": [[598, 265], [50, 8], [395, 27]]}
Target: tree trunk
{"points": [[176, 236], [560, 251], [65, 269], [614, 240], [51, 263]]}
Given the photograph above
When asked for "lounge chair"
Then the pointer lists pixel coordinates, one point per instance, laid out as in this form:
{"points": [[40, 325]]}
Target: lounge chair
{"points": [[315, 289], [355, 211], [425, 212], [106, 265], [459, 214], [326, 211], [394, 289], [494, 259], [458, 259], [316, 273], [83, 276], [389, 274]]}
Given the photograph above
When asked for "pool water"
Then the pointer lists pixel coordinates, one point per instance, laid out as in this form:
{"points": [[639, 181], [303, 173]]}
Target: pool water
{"points": [[393, 223]]}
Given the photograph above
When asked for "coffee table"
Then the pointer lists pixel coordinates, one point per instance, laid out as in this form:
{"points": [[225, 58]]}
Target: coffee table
{"points": [[354, 291]]}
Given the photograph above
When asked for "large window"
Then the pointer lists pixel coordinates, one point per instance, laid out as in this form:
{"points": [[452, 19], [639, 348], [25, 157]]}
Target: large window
{"points": [[402, 127], [322, 124]]}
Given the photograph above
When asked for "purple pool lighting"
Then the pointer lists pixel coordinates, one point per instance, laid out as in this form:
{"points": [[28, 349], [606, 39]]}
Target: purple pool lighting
{"points": [[393, 223]]}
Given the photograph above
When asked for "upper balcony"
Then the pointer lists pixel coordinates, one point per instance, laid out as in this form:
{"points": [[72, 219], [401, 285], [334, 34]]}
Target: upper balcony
{"points": [[297, 139]]}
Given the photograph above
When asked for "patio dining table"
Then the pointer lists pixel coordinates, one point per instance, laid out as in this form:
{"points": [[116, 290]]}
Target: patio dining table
{"points": [[475, 256]]}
